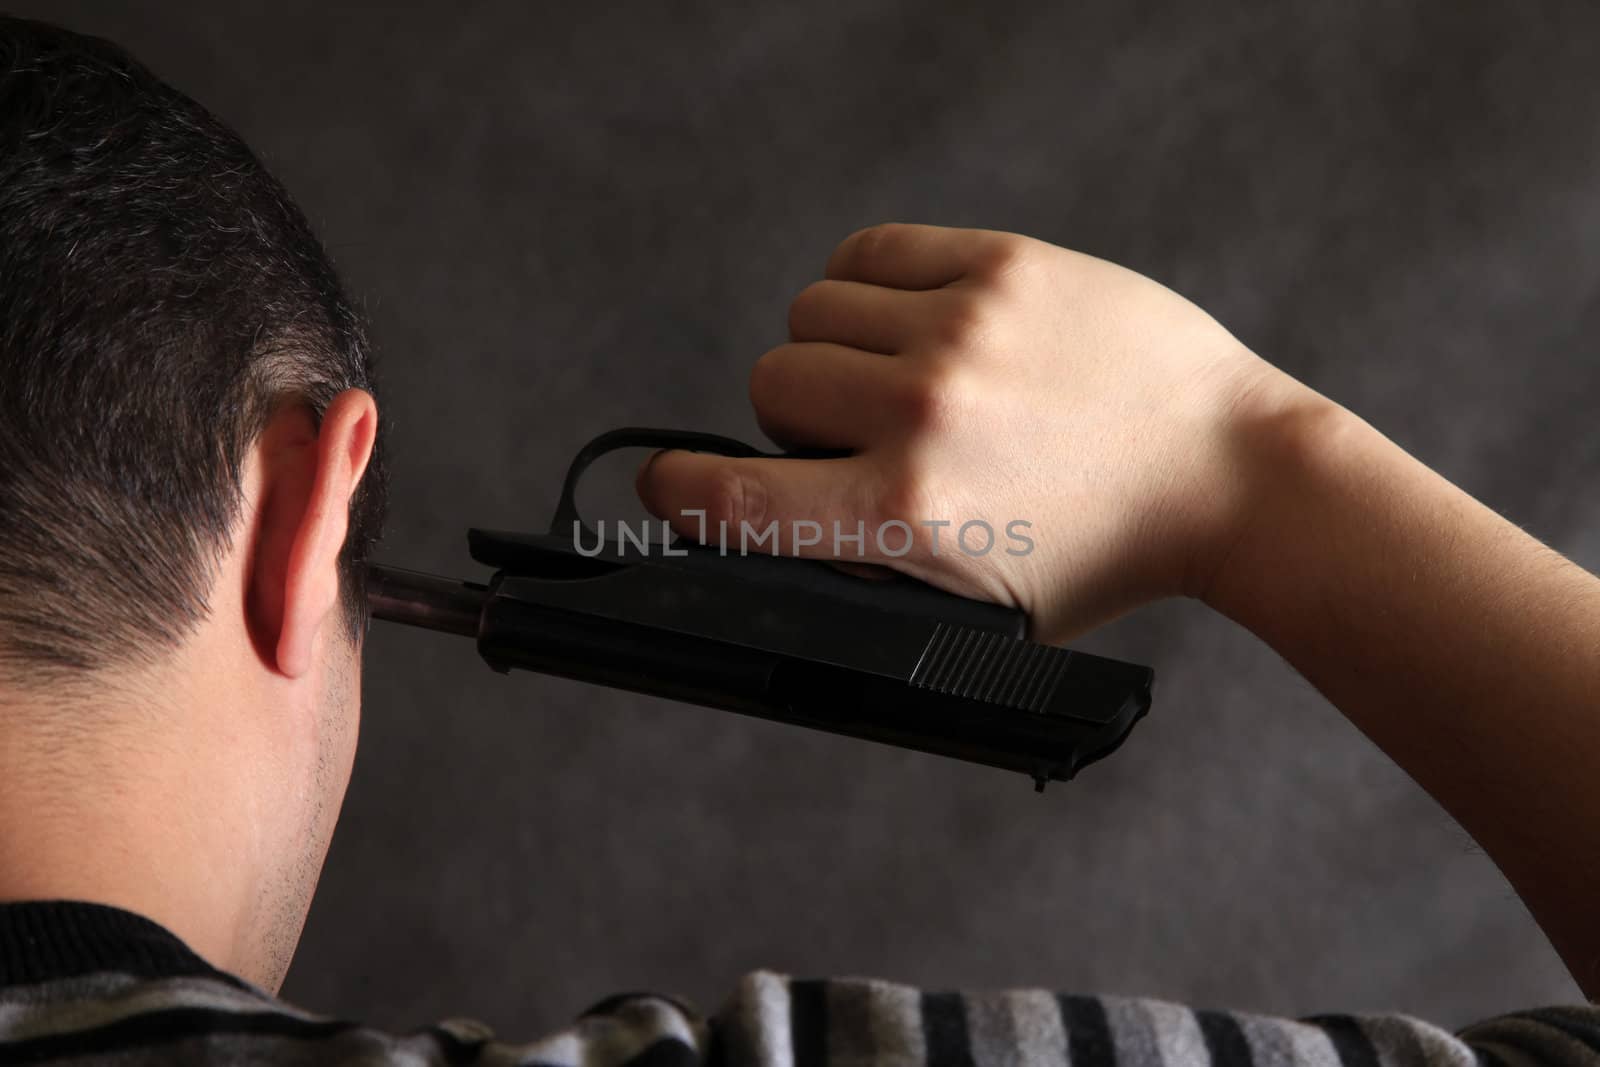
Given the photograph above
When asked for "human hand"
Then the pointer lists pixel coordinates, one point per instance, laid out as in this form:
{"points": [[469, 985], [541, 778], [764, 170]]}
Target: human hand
{"points": [[1098, 426]]}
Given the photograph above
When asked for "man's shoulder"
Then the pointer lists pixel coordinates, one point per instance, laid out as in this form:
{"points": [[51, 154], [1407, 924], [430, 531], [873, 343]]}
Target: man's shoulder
{"points": [[80, 993], [206, 1018]]}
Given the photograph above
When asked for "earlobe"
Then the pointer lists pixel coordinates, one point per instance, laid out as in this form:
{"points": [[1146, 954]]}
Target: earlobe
{"points": [[309, 476]]}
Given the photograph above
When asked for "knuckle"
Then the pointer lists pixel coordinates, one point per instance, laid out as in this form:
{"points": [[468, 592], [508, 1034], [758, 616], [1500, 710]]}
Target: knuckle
{"points": [[772, 394], [735, 498], [907, 496], [876, 239], [866, 245], [963, 320], [767, 380], [806, 307], [1003, 255], [931, 402]]}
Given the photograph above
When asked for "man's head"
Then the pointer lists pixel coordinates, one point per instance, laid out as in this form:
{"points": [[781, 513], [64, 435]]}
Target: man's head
{"points": [[189, 483]]}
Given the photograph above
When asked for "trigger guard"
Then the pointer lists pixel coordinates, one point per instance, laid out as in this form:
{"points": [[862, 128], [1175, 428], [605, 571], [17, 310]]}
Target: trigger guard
{"points": [[638, 437]]}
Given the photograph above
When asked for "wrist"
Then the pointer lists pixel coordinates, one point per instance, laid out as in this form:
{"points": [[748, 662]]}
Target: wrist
{"points": [[1278, 433]]}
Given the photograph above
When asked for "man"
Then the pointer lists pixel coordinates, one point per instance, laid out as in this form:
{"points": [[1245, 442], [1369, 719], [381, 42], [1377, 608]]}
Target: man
{"points": [[190, 479]]}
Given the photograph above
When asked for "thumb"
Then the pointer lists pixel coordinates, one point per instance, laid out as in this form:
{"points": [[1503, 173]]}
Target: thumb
{"points": [[788, 507]]}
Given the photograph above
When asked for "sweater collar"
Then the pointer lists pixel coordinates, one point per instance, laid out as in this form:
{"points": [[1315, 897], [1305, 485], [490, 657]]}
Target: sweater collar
{"points": [[47, 940]]}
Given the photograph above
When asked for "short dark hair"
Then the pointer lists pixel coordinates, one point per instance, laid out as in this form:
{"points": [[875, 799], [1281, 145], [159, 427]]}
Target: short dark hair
{"points": [[160, 297]]}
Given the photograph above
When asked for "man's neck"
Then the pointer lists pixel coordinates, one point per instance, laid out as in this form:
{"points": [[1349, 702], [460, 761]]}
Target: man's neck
{"points": [[133, 806]]}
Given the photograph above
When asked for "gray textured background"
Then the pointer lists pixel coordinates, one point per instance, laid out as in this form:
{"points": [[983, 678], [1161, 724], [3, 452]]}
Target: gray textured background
{"points": [[569, 217]]}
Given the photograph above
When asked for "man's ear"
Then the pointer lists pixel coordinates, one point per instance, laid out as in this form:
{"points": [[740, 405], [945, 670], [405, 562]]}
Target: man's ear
{"points": [[308, 475]]}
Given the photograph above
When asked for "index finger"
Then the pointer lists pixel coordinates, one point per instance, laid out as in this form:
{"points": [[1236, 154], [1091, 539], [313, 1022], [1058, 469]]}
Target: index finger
{"points": [[790, 507], [904, 255]]}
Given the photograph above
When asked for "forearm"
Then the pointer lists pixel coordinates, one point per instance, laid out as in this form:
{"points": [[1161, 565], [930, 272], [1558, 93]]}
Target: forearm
{"points": [[1029, 380], [1465, 649]]}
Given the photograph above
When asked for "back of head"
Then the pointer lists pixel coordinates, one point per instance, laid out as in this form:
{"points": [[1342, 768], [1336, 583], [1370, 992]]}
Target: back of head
{"points": [[160, 297]]}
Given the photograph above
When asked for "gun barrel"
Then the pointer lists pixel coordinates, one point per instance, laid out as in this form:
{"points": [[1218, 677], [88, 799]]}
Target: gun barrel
{"points": [[425, 600], [897, 663]]}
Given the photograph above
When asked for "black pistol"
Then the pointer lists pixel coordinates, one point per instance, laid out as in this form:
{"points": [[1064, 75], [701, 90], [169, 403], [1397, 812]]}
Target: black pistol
{"points": [[786, 639]]}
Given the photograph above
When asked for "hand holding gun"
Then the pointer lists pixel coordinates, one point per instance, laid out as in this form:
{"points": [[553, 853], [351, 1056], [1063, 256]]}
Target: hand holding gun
{"points": [[791, 640]]}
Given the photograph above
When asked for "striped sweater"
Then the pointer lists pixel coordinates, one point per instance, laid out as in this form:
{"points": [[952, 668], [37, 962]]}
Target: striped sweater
{"points": [[82, 983]]}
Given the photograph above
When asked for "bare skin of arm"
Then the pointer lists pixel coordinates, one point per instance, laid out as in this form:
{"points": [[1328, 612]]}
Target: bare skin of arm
{"points": [[1464, 648], [979, 374]]}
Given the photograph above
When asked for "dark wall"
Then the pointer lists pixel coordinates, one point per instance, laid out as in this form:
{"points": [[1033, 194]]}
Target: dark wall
{"points": [[569, 217]]}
